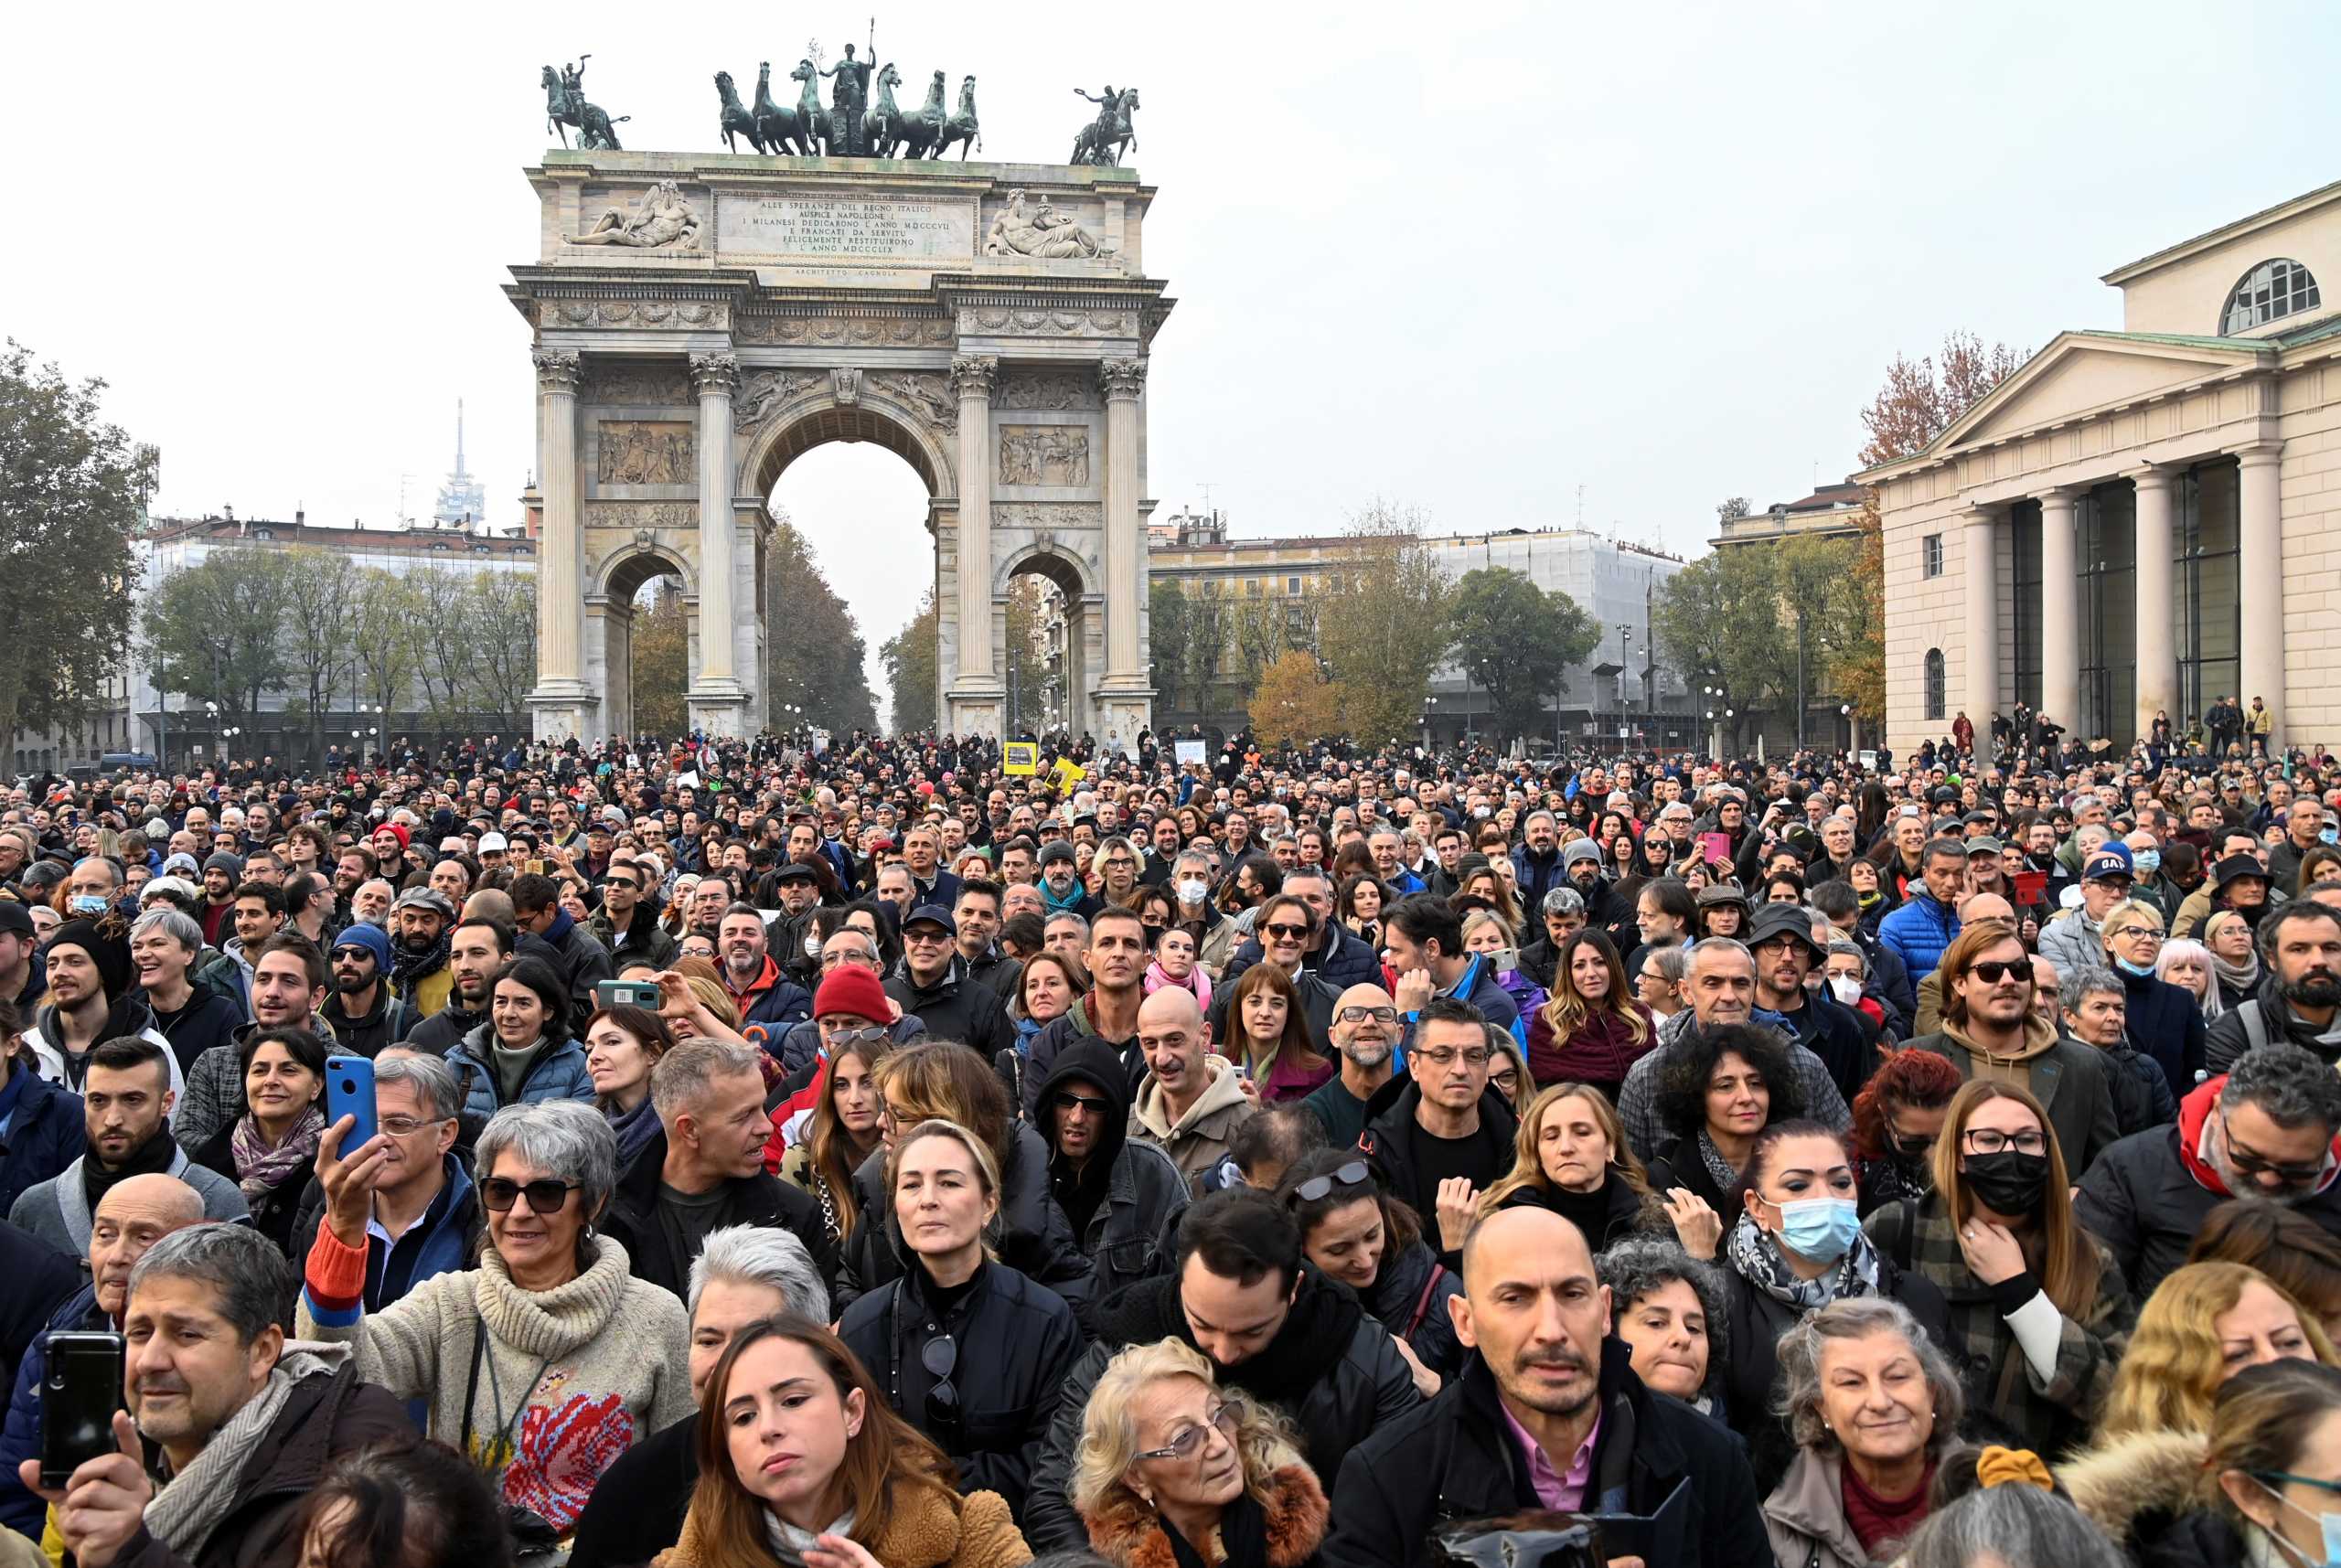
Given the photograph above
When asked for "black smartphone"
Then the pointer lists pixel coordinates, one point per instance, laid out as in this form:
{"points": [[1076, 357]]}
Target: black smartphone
{"points": [[80, 1390]]}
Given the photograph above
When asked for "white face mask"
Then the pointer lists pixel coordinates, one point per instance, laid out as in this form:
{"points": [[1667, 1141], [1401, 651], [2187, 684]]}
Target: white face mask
{"points": [[1845, 988], [1191, 890]]}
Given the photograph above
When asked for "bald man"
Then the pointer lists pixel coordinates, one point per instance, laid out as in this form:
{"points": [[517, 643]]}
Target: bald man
{"points": [[1547, 1412], [1364, 1031], [136, 1212], [1191, 1101]]}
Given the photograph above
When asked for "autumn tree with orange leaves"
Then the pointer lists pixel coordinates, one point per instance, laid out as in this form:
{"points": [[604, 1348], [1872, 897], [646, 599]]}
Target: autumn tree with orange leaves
{"points": [[1919, 400]]}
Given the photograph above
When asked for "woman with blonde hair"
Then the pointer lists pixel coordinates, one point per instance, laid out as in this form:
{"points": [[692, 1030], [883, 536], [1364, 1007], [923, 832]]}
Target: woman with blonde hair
{"points": [[2038, 1308], [802, 1465], [969, 1351], [1570, 1155], [1170, 1470], [2203, 1324]]}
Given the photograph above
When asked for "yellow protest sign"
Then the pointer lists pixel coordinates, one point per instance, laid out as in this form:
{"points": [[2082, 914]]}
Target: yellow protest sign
{"points": [[1020, 757]]}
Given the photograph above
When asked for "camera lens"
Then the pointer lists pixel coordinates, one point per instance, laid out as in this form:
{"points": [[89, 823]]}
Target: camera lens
{"points": [[57, 1379]]}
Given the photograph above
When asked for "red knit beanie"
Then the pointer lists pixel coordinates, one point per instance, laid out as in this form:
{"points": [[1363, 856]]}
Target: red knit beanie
{"points": [[850, 988]]}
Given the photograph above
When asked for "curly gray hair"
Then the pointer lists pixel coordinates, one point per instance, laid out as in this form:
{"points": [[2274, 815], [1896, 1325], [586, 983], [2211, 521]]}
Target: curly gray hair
{"points": [[1797, 1398], [1635, 1267], [568, 1138]]}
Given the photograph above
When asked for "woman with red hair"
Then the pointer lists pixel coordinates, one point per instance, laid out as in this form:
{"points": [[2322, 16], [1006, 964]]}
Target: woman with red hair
{"points": [[1896, 1118]]}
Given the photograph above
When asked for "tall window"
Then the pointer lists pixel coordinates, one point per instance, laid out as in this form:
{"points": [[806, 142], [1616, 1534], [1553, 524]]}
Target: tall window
{"points": [[1930, 555], [2023, 535], [2107, 523], [2208, 615], [2269, 292], [1935, 683]]}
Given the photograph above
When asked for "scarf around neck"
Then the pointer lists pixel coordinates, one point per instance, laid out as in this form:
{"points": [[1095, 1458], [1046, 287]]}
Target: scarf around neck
{"points": [[2243, 976], [1758, 1258], [789, 1543], [407, 967], [1726, 1177], [158, 1154], [261, 1169], [192, 1504]]}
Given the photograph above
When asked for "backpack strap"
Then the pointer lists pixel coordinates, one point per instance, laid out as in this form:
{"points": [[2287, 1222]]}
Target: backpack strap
{"points": [[2255, 1025], [1893, 1236], [1422, 1302]]}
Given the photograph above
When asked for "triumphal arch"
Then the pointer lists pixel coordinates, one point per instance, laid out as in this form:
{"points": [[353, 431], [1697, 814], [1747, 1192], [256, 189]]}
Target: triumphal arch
{"points": [[701, 320]]}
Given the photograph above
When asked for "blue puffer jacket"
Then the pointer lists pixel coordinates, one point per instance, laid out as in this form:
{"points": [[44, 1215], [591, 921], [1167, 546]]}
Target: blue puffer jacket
{"points": [[1917, 931], [557, 1073], [1347, 961], [46, 1134]]}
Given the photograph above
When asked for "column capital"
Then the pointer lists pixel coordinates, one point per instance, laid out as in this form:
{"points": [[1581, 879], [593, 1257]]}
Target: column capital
{"points": [[1979, 514], [718, 373], [2061, 497], [1121, 379], [975, 376], [2154, 476], [556, 370], [2257, 454]]}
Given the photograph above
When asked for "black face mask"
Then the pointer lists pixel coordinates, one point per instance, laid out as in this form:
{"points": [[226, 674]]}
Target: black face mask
{"points": [[1915, 1156], [2008, 1182]]}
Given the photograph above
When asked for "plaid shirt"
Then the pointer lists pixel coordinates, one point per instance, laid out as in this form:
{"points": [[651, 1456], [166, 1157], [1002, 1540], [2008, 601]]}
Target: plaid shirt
{"points": [[2048, 1415], [1638, 1095]]}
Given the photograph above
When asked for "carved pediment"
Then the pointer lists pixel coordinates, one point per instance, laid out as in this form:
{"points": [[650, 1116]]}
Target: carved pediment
{"points": [[2078, 375]]}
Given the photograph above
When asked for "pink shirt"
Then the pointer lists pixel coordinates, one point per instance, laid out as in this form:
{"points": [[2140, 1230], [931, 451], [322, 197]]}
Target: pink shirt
{"points": [[1564, 1490]]}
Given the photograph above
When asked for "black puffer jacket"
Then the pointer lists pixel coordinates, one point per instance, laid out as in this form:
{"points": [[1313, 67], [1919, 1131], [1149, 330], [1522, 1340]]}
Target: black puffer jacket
{"points": [[1345, 961], [633, 1219], [1332, 1368], [1453, 1459], [1017, 1342], [1131, 1193], [1409, 1298], [1033, 1236]]}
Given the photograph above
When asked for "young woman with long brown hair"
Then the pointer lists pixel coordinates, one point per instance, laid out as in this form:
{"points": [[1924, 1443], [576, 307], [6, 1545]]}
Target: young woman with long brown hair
{"points": [[2036, 1303], [801, 1461], [1592, 1030], [1268, 1034]]}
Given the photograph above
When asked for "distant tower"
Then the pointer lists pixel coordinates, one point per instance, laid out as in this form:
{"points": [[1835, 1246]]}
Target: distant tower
{"points": [[463, 500]]}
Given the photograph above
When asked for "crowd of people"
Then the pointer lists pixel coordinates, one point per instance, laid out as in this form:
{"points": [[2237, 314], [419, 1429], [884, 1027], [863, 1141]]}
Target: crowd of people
{"points": [[863, 1155]]}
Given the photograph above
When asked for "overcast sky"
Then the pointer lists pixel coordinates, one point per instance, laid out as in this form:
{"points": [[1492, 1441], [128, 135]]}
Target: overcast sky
{"points": [[1471, 261]]}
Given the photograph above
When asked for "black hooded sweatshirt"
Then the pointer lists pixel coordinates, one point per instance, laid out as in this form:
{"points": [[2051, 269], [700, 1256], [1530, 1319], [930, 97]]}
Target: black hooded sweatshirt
{"points": [[1087, 1066]]}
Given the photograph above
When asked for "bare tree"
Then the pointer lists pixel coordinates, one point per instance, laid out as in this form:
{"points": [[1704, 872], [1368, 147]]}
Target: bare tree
{"points": [[320, 590]]}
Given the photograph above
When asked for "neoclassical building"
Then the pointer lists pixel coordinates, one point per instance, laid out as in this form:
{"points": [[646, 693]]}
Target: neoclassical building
{"points": [[2139, 521]]}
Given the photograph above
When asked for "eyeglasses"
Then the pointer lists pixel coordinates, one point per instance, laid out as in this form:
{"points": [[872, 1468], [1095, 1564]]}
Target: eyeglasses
{"points": [[1285, 932], [545, 1197], [1474, 1056], [2281, 1476], [407, 1127], [2251, 1163], [1990, 970], [1351, 1173], [1359, 1015], [1990, 1140], [1229, 1418], [848, 1039], [2149, 931], [1089, 1104]]}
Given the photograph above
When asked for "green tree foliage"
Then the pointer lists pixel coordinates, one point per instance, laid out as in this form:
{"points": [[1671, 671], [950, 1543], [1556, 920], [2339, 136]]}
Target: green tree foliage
{"points": [[1294, 703], [382, 641], [1719, 621], [661, 635], [1169, 625], [1382, 623], [320, 590], [214, 632], [1515, 641], [73, 492], [911, 662], [1031, 605], [814, 648]]}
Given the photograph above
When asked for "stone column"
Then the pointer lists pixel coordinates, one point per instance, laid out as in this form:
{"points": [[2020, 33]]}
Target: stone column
{"points": [[1981, 695], [975, 376], [2060, 620], [562, 703], [2157, 683], [717, 700], [2261, 586], [1124, 565]]}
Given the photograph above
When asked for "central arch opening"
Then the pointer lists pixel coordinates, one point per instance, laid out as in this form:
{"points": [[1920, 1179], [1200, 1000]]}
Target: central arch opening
{"points": [[861, 512]]}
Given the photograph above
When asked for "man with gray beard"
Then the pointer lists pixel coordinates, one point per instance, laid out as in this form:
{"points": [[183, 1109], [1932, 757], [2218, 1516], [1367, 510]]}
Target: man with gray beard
{"points": [[1364, 1030]]}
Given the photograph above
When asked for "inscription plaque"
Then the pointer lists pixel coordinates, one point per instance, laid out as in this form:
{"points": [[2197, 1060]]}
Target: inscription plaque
{"points": [[851, 227]]}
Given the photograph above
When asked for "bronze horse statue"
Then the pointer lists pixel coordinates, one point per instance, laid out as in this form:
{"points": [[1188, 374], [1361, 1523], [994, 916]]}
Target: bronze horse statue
{"points": [[812, 119], [735, 118], [1111, 129], [783, 130], [923, 131], [563, 107], [961, 127], [882, 123]]}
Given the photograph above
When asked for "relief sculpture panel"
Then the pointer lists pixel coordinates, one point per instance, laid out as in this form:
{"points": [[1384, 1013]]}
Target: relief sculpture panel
{"points": [[1044, 454], [643, 452]]}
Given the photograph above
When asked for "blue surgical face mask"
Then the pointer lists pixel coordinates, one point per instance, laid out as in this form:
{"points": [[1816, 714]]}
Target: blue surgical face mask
{"points": [[2329, 1522], [87, 903], [2146, 862], [1820, 1229], [2330, 835], [2128, 969]]}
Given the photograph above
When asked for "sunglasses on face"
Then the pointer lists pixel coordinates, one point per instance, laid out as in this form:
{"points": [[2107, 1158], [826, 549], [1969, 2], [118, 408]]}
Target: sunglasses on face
{"points": [[1089, 1104], [1283, 931], [1990, 970], [545, 1197], [847, 1039]]}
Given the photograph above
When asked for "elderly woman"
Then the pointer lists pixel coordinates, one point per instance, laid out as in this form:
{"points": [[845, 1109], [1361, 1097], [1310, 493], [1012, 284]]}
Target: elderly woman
{"points": [[2039, 1306], [1668, 1307], [1356, 1233], [2204, 1323], [2235, 958], [2187, 966], [1170, 1470], [744, 1274], [549, 1358], [268, 1150], [802, 1463], [990, 1408], [2166, 1022], [1872, 1404]]}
